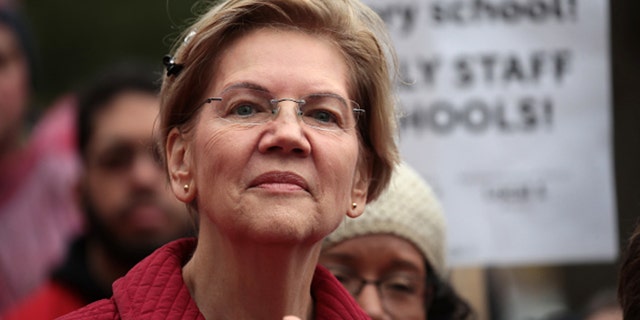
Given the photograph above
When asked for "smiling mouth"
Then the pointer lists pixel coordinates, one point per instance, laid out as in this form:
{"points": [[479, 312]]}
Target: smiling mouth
{"points": [[280, 181]]}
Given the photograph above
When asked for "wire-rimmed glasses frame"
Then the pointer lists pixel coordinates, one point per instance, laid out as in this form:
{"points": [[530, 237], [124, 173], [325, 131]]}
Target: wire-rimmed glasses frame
{"points": [[323, 111], [396, 290]]}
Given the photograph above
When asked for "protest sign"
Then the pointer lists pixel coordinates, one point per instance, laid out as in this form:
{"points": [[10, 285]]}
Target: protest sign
{"points": [[507, 113]]}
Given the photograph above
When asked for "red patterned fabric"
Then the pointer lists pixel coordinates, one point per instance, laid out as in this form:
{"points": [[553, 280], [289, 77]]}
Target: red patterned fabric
{"points": [[154, 289]]}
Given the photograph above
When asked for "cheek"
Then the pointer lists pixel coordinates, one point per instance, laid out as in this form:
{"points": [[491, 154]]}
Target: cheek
{"points": [[340, 164], [214, 151], [106, 193], [13, 102], [339, 182], [14, 88], [220, 155]]}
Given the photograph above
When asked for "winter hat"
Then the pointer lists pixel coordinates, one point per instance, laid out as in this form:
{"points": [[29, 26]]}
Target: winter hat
{"points": [[407, 209]]}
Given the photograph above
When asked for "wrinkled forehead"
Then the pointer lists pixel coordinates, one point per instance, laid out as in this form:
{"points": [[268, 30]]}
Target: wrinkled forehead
{"points": [[219, 54], [131, 115]]}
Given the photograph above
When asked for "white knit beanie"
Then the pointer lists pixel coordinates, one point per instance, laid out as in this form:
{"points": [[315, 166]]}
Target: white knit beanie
{"points": [[408, 209]]}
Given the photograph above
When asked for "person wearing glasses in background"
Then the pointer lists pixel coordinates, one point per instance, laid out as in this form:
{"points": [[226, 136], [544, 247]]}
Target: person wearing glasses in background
{"points": [[277, 121], [392, 258], [628, 292]]}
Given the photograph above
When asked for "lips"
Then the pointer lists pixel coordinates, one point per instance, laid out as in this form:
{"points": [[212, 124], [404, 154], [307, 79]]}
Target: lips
{"points": [[281, 179], [147, 217]]}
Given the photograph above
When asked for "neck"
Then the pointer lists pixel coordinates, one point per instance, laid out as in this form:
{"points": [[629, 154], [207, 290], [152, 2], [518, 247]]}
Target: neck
{"points": [[231, 279], [105, 268]]}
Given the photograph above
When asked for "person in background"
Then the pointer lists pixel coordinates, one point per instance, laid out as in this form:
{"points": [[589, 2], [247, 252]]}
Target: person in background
{"points": [[277, 121], [392, 258], [629, 277], [129, 208], [603, 305], [38, 169]]}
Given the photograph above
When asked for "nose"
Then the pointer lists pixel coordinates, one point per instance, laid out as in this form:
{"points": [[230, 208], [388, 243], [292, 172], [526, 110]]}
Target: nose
{"points": [[370, 301], [146, 171], [285, 133]]}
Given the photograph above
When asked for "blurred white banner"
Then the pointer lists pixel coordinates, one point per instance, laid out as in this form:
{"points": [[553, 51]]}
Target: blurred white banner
{"points": [[508, 116]]}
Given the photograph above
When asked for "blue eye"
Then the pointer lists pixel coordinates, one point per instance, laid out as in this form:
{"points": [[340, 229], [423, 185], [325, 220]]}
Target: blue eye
{"points": [[322, 116], [324, 111], [244, 110], [246, 106]]}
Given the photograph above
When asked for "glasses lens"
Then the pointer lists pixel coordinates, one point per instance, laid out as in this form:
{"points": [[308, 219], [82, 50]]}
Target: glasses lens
{"points": [[402, 293], [121, 156], [244, 106], [350, 281], [248, 106], [327, 112]]}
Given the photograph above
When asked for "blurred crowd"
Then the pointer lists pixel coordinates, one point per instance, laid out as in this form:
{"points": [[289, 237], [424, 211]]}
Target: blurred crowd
{"points": [[84, 198]]}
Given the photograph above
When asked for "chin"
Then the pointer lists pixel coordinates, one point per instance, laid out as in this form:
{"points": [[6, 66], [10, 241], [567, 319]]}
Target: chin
{"points": [[284, 232], [293, 222]]}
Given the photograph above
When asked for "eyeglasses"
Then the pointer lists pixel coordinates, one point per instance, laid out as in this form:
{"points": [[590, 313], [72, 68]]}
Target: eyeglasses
{"points": [[121, 156], [397, 290], [323, 111]]}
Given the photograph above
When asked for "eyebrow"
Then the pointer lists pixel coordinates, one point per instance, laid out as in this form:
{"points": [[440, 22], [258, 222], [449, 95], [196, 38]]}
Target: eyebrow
{"points": [[404, 265], [257, 87], [341, 257], [246, 85], [394, 264]]}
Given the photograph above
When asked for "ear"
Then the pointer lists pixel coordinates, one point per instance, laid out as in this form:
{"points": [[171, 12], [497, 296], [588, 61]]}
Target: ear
{"points": [[180, 166], [359, 191]]}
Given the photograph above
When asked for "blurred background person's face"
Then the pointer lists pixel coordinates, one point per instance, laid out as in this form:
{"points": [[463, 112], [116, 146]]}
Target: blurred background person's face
{"points": [[126, 194], [384, 273], [14, 88], [612, 313]]}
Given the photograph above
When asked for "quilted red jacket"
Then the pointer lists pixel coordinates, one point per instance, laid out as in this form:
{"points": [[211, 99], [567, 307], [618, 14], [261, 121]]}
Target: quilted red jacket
{"points": [[154, 289]]}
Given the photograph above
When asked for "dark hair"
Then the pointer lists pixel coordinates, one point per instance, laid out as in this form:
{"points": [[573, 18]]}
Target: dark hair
{"points": [[629, 278], [445, 303], [117, 79], [14, 21]]}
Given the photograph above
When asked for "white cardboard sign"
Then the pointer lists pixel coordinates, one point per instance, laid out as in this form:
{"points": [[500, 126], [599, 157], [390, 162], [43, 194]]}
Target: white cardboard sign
{"points": [[508, 115]]}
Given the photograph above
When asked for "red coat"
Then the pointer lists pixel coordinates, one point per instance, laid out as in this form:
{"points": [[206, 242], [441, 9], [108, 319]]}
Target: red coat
{"points": [[154, 289]]}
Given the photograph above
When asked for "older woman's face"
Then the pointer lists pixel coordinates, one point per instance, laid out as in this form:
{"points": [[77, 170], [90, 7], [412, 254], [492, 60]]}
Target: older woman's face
{"points": [[386, 274], [283, 180]]}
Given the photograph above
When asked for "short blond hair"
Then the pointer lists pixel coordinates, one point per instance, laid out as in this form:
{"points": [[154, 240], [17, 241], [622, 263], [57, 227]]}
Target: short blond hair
{"points": [[352, 26]]}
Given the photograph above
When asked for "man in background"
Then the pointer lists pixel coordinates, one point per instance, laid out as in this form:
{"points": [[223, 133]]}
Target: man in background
{"points": [[123, 191]]}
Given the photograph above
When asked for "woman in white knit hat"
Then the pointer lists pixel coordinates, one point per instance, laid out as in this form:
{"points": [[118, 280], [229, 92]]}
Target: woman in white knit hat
{"points": [[392, 258]]}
